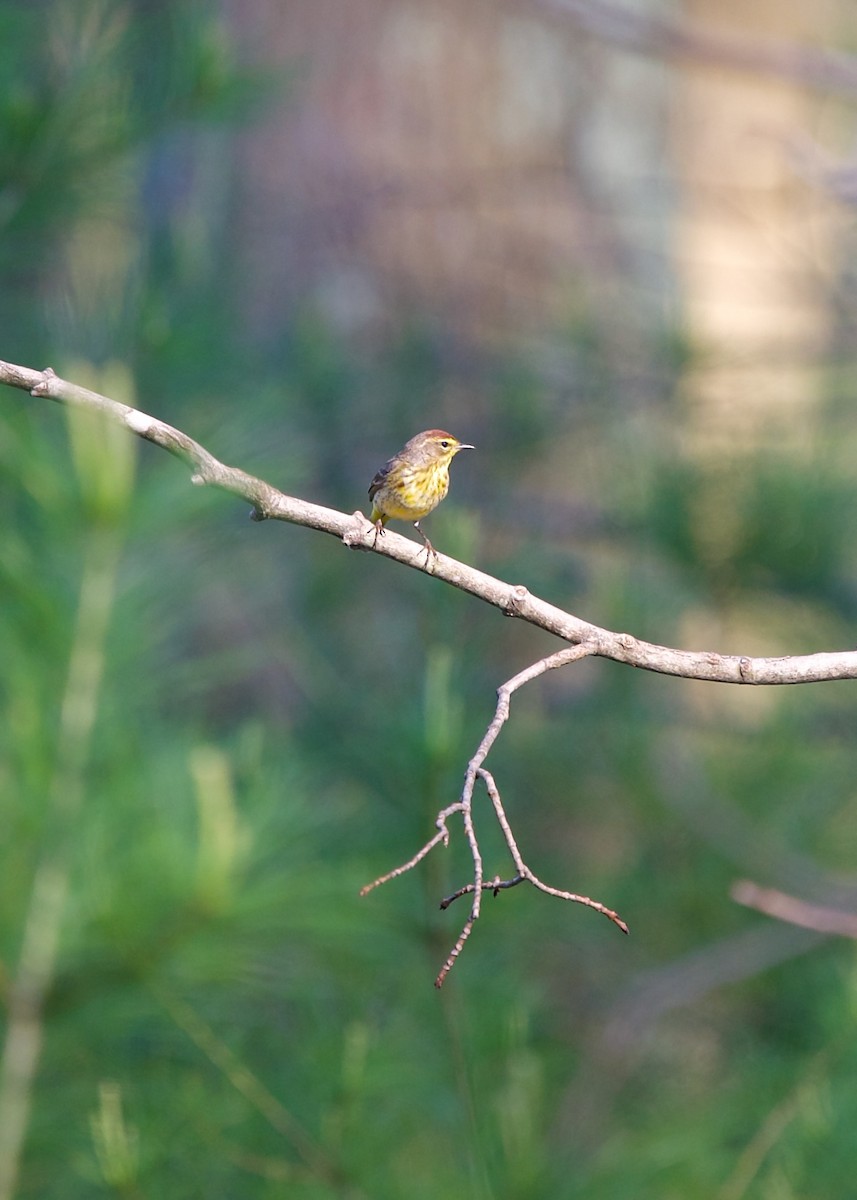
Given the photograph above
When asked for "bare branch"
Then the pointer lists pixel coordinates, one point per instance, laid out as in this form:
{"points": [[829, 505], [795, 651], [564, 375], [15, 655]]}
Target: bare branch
{"points": [[774, 903], [514, 600]]}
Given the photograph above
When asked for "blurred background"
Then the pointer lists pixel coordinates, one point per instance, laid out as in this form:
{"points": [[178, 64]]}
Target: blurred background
{"points": [[611, 244]]}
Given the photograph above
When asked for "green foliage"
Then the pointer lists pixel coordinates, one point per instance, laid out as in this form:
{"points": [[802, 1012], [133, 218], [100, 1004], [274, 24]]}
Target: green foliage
{"points": [[776, 524]]}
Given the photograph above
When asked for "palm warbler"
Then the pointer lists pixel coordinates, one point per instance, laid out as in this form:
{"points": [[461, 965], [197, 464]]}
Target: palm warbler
{"points": [[414, 481]]}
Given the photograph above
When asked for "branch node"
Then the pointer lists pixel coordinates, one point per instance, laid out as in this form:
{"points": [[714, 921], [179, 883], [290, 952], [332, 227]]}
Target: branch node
{"points": [[515, 600], [43, 387], [357, 536], [139, 422]]}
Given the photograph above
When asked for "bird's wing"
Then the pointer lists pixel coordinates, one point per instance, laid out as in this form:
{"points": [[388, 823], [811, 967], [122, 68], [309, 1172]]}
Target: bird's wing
{"points": [[378, 482]]}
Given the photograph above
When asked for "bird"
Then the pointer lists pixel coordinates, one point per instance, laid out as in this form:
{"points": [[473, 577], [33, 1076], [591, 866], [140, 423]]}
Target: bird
{"points": [[414, 481]]}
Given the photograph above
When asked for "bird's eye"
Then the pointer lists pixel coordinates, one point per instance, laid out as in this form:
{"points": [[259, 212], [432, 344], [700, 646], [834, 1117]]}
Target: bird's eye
{"points": [[444, 443]]}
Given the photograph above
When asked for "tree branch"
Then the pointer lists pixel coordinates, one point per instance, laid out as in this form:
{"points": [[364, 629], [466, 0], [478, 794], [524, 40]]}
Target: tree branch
{"points": [[774, 903], [586, 640], [355, 531]]}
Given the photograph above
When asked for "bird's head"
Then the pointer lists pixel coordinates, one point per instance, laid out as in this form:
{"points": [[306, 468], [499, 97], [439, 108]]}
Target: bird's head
{"points": [[436, 446]]}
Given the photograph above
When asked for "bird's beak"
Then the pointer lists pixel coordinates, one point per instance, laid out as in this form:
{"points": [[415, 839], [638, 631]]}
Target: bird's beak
{"points": [[464, 446]]}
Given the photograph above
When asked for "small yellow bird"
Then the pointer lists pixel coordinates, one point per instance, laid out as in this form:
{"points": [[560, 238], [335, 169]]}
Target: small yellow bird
{"points": [[414, 481]]}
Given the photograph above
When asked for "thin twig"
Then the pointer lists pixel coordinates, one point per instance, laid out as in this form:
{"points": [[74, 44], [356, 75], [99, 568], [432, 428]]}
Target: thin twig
{"points": [[442, 835], [456, 950], [525, 872], [495, 885]]}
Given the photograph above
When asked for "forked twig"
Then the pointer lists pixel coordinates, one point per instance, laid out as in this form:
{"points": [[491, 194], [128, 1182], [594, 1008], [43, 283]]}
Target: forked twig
{"points": [[475, 770], [525, 874]]}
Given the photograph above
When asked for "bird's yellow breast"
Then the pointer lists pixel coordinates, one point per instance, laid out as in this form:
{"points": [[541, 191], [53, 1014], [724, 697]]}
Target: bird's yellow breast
{"points": [[409, 494]]}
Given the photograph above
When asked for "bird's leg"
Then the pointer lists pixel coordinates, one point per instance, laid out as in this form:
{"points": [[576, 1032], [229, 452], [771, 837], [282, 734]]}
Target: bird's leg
{"points": [[430, 550], [379, 529]]}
